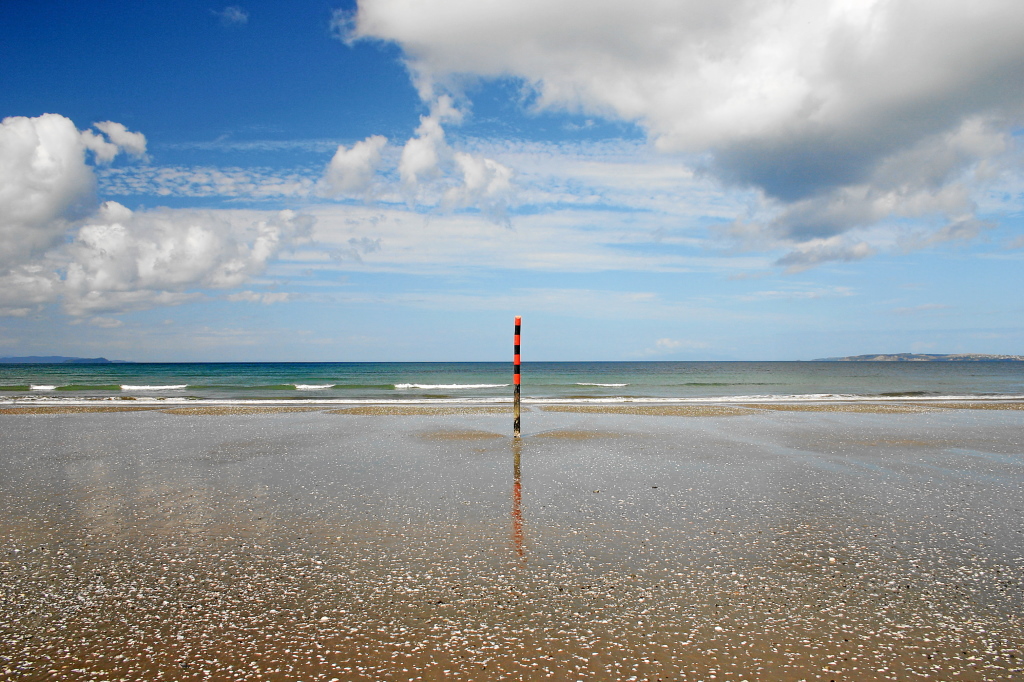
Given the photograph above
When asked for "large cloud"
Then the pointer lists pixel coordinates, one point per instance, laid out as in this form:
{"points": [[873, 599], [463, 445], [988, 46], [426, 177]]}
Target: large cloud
{"points": [[122, 260], [809, 100], [56, 243], [45, 181]]}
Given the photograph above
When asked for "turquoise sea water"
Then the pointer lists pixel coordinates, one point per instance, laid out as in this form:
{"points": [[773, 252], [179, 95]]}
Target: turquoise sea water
{"points": [[469, 382]]}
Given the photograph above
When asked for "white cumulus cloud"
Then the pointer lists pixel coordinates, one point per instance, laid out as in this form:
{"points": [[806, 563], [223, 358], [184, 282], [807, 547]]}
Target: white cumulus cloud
{"points": [[424, 154], [56, 244], [133, 143], [433, 172], [24, 287], [485, 183], [44, 182], [123, 260], [351, 170]]}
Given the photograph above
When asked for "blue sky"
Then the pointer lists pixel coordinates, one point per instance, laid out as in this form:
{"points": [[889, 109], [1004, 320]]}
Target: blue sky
{"points": [[395, 180]]}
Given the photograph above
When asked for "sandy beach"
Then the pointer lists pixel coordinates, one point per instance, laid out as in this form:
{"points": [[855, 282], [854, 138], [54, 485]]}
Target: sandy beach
{"points": [[727, 543]]}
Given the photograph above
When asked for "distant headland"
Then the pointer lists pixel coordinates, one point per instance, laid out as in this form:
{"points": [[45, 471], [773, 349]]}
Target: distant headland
{"points": [[926, 357], [62, 359]]}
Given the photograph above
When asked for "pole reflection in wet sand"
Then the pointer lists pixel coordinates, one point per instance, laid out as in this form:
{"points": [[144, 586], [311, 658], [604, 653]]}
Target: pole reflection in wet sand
{"points": [[517, 498]]}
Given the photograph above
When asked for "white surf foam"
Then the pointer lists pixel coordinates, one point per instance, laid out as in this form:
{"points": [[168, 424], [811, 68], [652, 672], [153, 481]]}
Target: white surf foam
{"points": [[42, 387], [312, 387], [174, 387], [587, 383]]}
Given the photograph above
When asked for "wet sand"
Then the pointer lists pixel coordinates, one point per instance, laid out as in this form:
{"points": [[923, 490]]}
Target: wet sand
{"points": [[782, 545]]}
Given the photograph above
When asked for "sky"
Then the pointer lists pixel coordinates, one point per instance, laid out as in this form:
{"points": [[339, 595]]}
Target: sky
{"points": [[394, 180]]}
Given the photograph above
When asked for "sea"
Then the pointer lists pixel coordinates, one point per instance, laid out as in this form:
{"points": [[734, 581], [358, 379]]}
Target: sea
{"points": [[354, 383]]}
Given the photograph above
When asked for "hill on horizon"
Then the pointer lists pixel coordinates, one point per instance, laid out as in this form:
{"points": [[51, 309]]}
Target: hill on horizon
{"points": [[57, 359], [926, 357]]}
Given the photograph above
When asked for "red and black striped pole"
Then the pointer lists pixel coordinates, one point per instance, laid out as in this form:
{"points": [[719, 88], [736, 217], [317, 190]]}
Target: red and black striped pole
{"points": [[515, 379]]}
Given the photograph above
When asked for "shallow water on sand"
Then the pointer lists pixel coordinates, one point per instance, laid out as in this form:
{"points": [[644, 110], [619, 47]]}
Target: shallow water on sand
{"points": [[320, 545]]}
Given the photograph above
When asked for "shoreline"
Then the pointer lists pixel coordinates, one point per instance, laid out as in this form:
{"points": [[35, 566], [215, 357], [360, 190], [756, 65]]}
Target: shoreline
{"points": [[439, 407]]}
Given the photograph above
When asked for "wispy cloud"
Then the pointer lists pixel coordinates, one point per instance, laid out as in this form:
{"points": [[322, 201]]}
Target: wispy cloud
{"points": [[579, 303], [1017, 243], [266, 297], [918, 309], [105, 322], [232, 15], [799, 293], [229, 183], [225, 143], [556, 241], [668, 346]]}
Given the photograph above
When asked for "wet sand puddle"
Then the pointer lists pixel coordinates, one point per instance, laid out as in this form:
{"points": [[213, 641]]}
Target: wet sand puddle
{"points": [[297, 546]]}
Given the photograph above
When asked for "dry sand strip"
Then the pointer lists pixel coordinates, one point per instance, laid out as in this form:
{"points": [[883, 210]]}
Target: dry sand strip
{"points": [[220, 410], [424, 410], [885, 408], [229, 410], [207, 410], [654, 410], [993, 405], [76, 409], [751, 408], [870, 408]]}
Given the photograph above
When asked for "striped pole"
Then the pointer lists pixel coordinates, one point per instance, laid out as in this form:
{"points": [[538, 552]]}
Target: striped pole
{"points": [[515, 379]]}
